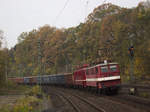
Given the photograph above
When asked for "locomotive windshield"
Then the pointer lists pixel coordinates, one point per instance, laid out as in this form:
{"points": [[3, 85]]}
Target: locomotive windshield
{"points": [[113, 68], [104, 69]]}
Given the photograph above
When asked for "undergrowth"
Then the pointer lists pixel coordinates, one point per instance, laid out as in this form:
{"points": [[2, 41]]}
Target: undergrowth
{"points": [[30, 102]]}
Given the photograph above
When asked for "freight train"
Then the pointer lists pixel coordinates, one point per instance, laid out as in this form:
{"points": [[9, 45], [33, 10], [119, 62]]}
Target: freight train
{"points": [[102, 77]]}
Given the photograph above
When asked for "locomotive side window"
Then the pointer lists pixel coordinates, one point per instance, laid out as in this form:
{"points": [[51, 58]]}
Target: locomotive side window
{"points": [[96, 70], [113, 68], [104, 69], [87, 72]]}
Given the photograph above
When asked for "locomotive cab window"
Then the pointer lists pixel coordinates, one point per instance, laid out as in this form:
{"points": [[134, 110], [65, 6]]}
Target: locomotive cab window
{"points": [[113, 68], [104, 69], [96, 70]]}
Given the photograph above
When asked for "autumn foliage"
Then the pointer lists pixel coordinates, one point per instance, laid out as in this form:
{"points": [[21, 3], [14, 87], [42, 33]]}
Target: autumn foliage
{"points": [[108, 29]]}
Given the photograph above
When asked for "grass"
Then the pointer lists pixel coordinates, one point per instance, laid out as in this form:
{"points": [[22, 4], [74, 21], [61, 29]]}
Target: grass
{"points": [[30, 102], [11, 88]]}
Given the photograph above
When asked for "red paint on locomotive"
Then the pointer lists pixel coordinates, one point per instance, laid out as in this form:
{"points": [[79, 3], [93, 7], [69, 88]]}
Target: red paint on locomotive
{"points": [[101, 75]]}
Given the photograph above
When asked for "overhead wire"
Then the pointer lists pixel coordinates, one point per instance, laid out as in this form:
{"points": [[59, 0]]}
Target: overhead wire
{"points": [[86, 9], [60, 12], [67, 1]]}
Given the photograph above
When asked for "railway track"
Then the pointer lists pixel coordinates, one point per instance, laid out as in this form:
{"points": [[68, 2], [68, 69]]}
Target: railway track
{"points": [[123, 99], [78, 103], [97, 103], [109, 104], [129, 100], [93, 105], [139, 86], [70, 101], [136, 102], [87, 102]]}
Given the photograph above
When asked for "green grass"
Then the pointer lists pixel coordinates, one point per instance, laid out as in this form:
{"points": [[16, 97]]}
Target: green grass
{"points": [[11, 88], [28, 103]]}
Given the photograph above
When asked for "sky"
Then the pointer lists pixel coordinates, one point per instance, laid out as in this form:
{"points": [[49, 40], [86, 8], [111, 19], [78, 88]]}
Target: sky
{"points": [[17, 16]]}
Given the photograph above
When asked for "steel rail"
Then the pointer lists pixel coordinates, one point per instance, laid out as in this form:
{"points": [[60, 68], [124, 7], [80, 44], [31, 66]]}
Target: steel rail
{"points": [[87, 102]]}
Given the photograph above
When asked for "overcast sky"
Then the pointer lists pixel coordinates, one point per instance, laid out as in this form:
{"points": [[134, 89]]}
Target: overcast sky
{"points": [[17, 16]]}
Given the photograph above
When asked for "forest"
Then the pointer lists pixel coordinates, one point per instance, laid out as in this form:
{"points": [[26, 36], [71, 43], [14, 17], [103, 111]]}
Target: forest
{"points": [[107, 34]]}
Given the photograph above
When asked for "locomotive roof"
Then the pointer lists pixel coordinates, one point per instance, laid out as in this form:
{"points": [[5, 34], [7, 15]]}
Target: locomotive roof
{"points": [[101, 64], [48, 75]]}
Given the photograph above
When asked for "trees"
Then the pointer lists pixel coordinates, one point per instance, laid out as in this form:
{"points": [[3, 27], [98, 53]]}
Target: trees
{"points": [[4, 60], [61, 48], [1, 37]]}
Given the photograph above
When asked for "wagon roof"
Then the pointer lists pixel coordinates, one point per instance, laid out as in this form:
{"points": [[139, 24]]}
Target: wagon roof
{"points": [[51, 75]]}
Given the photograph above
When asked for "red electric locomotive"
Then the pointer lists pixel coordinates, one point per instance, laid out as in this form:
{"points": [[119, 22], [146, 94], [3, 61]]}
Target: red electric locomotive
{"points": [[103, 76]]}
